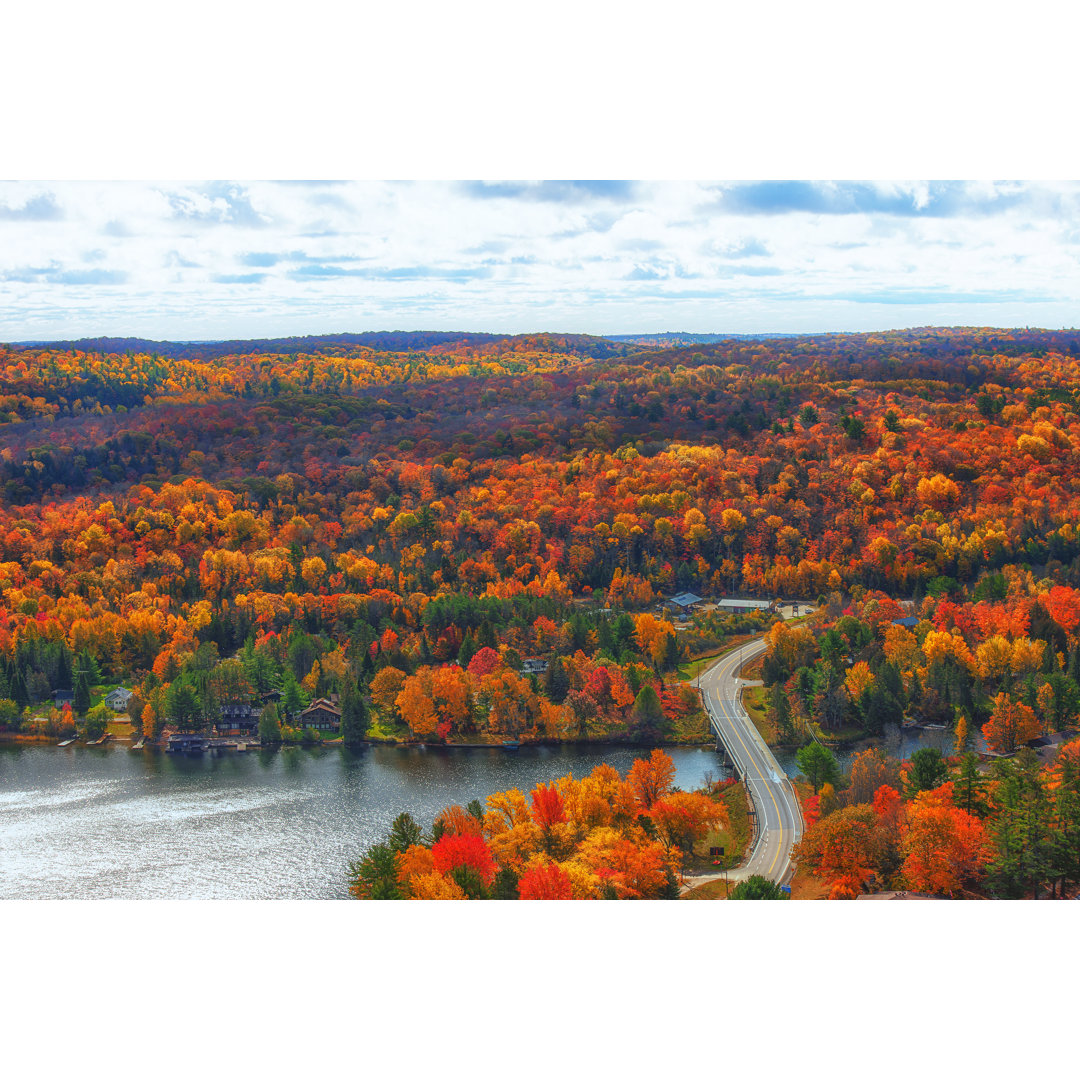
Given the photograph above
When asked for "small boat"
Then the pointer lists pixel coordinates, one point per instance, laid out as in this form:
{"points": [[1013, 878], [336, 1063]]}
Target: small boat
{"points": [[510, 744]]}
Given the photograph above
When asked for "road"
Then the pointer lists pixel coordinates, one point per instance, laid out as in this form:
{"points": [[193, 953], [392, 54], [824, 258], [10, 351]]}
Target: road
{"points": [[777, 810]]}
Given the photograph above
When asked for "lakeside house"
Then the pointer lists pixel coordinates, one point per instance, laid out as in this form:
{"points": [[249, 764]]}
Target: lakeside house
{"points": [[322, 715], [63, 697], [118, 699], [241, 718]]}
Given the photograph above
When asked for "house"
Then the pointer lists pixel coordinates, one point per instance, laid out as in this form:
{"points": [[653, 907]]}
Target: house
{"points": [[685, 600], [322, 715], [118, 699], [238, 718], [908, 621], [63, 697], [533, 666]]}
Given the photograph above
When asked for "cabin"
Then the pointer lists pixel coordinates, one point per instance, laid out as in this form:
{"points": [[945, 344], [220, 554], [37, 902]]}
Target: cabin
{"points": [[242, 718], [118, 699], [533, 666], [322, 715]]}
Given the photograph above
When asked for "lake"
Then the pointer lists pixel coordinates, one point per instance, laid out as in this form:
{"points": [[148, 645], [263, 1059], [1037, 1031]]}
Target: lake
{"points": [[108, 822]]}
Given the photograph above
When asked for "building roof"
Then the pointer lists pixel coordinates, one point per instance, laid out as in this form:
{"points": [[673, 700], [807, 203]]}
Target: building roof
{"points": [[321, 704], [685, 599], [907, 620], [744, 603]]}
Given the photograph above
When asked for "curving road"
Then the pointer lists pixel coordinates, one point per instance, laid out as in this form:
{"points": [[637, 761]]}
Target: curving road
{"points": [[778, 816]]}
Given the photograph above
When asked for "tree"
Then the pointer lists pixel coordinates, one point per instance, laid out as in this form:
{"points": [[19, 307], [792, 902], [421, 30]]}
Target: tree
{"points": [[1011, 724], [269, 725], [545, 881], [374, 877], [82, 694], [97, 721], [818, 764], [354, 714], [650, 780], [404, 833], [845, 849], [184, 707], [461, 852], [756, 887], [944, 847], [648, 713], [927, 770]]}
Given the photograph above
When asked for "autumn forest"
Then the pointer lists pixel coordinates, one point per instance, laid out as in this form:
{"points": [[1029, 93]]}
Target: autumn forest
{"points": [[474, 539]]}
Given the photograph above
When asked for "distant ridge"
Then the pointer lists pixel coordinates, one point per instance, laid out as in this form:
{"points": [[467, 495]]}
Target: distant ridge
{"points": [[676, 338], [378, 339], [389, 340]]}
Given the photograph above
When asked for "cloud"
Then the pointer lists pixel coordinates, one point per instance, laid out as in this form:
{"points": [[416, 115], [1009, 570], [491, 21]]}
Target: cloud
{"points": [[238, 279], [217, 204], [90, 277], [174, 258], [942, 199], [39, 208], [259, 258], [397, 273], [555, 191], [931, 296], [116, 228]]}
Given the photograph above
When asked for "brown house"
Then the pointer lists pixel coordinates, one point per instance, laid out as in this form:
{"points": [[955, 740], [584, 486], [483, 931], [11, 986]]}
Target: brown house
{"points": [[322, 715]]}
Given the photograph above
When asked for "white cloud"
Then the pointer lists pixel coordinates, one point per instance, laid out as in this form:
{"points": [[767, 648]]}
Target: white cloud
{"points": [[229, 259]]}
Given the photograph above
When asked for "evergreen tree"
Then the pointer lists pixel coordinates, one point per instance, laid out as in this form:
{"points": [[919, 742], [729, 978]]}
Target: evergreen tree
{"points": [[780, 712], [505, 885], [756, 887], [1020, 830], [355, 720], [648, 713], [969, 787], [404, 833], [556, 680], [374, 877], [818, 765], [184, 707], [81, 704], [928, 770]]}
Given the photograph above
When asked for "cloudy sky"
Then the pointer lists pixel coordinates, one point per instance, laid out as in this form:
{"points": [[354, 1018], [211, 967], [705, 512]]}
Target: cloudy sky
{"points": [[239, 259]]}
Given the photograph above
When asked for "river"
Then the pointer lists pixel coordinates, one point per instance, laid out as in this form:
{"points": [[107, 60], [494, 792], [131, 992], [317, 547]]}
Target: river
{"points": [[108, 822]]}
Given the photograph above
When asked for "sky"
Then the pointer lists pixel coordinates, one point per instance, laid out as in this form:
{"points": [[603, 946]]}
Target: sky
{"points": [[230, 259]]}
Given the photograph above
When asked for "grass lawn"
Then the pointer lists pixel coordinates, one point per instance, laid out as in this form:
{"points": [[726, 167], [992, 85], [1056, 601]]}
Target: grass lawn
{"points": [[733, 838], [753, 699], [120, 729]]}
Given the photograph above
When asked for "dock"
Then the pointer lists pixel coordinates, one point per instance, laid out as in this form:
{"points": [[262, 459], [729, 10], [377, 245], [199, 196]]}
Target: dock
{"points": [[99, 742], [139, 745], [66, 742]]}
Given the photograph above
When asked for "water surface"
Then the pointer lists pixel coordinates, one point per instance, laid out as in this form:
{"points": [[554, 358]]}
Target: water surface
{"points": [[108, 822]]}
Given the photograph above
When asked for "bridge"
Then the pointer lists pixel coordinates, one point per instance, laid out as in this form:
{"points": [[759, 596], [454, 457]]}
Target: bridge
{"points": [[776, 809]]}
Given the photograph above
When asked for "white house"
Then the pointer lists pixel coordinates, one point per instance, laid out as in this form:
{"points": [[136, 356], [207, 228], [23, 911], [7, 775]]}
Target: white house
{"points": [[118, 699]]}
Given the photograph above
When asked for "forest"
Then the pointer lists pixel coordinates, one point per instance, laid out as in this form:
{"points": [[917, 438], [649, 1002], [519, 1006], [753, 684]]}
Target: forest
{"points": [[471, 537]]}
